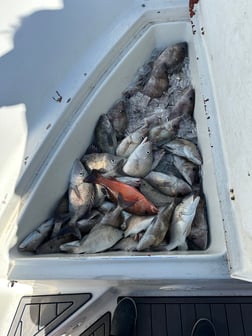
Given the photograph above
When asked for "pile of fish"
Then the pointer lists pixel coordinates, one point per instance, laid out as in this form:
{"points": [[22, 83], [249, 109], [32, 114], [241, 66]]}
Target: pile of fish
{"points": [[138, 186]]}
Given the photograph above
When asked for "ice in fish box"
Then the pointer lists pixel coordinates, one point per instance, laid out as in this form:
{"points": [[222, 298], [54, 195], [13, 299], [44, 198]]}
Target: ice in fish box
{"points": [[139, 185]]}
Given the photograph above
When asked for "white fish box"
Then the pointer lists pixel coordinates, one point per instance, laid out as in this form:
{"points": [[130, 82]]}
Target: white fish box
{"points": [[46, 177]]}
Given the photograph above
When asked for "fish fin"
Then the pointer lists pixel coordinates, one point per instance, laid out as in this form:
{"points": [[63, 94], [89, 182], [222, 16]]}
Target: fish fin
{"points": [[75, 190], [183, 247], [91, 178], [71, 247], [123, 203], [73, 229], [110, 140], [145, 242], [158, 158]]}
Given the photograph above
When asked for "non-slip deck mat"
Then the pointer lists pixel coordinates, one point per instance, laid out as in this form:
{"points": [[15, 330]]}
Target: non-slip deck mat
{"points": [[39, 315], [100, 328], [175, 316]]}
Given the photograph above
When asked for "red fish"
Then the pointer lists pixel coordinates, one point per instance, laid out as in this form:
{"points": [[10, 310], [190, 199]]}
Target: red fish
{"points": [[141, 206]]}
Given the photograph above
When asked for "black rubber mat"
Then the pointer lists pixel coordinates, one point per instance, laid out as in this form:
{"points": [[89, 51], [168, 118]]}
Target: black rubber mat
{"points": [[39, 315], [175, 316], [100, 328]]}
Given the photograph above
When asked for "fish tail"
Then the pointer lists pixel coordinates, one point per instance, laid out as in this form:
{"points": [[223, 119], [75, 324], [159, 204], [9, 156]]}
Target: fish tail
{"points": [[92, 177]]}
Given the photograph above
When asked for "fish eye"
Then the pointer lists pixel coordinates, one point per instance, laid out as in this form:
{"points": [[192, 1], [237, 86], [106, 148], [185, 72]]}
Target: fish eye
{"points": [[112, 160], [81, 173]]}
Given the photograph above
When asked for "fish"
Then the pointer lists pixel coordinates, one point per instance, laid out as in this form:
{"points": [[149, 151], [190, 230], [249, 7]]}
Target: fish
{"points": [[115, 217], [52, 245], [172, 57], [133, 181], [58, 223], [158, 81], [185, 105], [86, 224], [135, 224], [199, 230], [165, 131], [187, 129], [105, 135], [140, 161], [141, 205], [62, 206], [100, 194], [131, 141], [168, 184], [81, 195], [156, 231], [118, 117], [186, 168], [125, 244], [106, 206], [156, 118], [106, 162], [100, 239], [154, 195], [169, 61], [181, 222], [186, 149], [37, 237]]}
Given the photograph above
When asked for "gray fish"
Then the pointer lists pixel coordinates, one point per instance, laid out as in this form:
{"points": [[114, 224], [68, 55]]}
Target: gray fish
{"points": [[158, 81], [131, 141], [85, 225], [156, 231], [81, 195], [100, 238], [36, 237], [156, 118], [106, 207], [185, 105], [169, 61], [172, 57], [168, 184], [164, 132], [58, 223], [186, 168], [186, 149], [181, 222], [132, 181], [62, 206], [187, 129], [100, 194], [158, 155], [118, 117], [107, 163], [140, 161], [105, 135], [125, 244], [154, 195], [199, 230], [136, 224], [115, 217], [52, 245]]}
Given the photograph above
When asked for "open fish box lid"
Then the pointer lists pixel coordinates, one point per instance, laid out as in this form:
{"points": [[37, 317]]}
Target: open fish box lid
{"points": [[45, 109], [224, 29]]}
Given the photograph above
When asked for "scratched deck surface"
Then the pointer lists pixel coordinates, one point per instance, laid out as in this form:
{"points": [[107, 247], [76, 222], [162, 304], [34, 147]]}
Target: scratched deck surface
{"points": [[175, 316]]}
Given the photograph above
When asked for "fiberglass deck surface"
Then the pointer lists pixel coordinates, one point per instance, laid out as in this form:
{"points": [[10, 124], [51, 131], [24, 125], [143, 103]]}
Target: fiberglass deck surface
{"points": [[175, 316], [157, 316]]}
